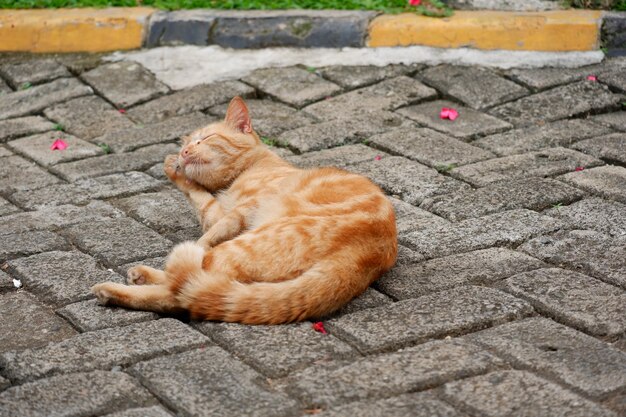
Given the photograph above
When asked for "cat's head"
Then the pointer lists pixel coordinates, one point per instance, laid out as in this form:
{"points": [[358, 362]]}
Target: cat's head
{"points": [[216, 154]]}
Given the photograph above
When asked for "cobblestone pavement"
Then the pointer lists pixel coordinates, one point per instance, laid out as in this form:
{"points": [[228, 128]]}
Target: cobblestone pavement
{"points": [[508, 298]]}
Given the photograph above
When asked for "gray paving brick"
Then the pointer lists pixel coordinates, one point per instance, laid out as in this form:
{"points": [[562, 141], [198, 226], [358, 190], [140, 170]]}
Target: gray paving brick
{"points": [[154, 411], [31, 176], [102, 349], [573, 358], [429, 147], [118, 241], [277, 351], [269, 118], [57, 216], [292, 85], [340, 157], [485, 266], [4, 88], [83, 191], [590, 252], [614, 79], [581, 98], [456, 311], [607, 181], [141, 159], [22, 126], [7, 208], [29, 324], [6, 282], [407, 256], [412, 369], [28, 243], [533, 138], [542, 78], [166, 212], [188, 101], [354, 76], [500, 229], [124, 83], [529, 193], [88, 117], [594, 213], [547, 162], [88, 315], [469, 125], [4, 383], [412, 181], [100, 392], [4, 152], [369, 299], [61, 278], [129, 139], [476, 87], [410, 218], [340, 132], [34, 71], [386, 95], [37, 147], [211, 382], [615, 120], [422, 404], [34, 99], [611, 148], [573, 299]]}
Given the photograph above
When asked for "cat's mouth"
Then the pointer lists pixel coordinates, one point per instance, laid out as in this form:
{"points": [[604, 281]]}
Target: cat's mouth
{"points": [[193, 161]]}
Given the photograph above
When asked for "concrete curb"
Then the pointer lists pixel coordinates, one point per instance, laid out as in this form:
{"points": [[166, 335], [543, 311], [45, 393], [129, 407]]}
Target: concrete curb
{"points": [[101, 30]]}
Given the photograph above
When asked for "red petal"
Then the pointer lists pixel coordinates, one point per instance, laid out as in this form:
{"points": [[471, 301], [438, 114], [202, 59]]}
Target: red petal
{"points": [[319, 327], [592, 78], [445, 112], [59, 145], [415, 2], [579, 169], [122, 111], [452, 114], [378, 158]]}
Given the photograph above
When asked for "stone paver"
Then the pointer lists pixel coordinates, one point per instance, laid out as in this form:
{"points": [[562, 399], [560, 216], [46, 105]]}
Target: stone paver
{"points": [[410, 369], [88, 117], [29, 323], [542, 78], [277, 351], [210, 382], [532, 193], [24, 244], [478, 88], [188, 101], [594, 213], [33, 72], [574, 299], [503, 229], [30, 175], [356, 76], [7, 208], [429, 148], [118, 241], [412, 181], [561, 133], [485, 266], [581, 98], [368, 299], [270, 118], [102, 349], [611, 148], [293, 85], [100, 392], [575, 359], [386, 95], [456, 311], [518, 393], [154, 411], [59, 277], [593, 253], [22, 126], [34, 99], [547, 162], [340, 157], [607, 181], [38, 149], [89, 315], [469, 125], [124, 83], [615, 120]]}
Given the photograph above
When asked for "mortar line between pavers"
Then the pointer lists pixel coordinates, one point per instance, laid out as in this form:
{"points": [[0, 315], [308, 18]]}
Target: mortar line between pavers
{"points": [[159, 400]]}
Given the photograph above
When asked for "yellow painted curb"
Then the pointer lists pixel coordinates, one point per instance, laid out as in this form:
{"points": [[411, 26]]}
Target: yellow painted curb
{"points": [[72, 30], [566, 30]]}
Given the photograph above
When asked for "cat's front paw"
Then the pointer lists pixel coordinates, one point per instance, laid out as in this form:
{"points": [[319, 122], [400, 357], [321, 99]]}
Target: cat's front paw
{"points": [[102, 293], [135, 276], [172, 168]]}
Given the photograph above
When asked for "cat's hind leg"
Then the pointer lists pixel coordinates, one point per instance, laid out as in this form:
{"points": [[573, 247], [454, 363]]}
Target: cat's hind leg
{"points": [[143, 274], [157, 298]]}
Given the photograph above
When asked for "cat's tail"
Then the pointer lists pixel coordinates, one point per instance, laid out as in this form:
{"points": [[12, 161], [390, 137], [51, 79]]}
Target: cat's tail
{"points": [[319, 291]]}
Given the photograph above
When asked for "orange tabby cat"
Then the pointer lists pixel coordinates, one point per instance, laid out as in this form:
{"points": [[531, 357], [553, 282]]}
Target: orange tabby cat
{"points": [[281, 244]]}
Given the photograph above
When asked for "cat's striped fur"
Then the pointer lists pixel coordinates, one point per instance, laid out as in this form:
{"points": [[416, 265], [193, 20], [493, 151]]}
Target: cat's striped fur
{"points": [[281, 244]]}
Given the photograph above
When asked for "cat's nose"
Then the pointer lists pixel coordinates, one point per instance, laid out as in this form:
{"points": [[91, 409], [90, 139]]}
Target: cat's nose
{"points": [[185, 152]]}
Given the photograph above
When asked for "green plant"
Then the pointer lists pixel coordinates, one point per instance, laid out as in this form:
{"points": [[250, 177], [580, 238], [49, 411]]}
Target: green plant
{"points": [[443, 168], [25, 86], [106, 148], [269, 141], [59, 127]]}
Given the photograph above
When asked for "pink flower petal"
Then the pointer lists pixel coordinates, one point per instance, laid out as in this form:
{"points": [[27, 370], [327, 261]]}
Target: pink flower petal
{"points": [[579, 169], [378, 158], [415, 2], [453, 114], [445, 112], [59, 145], [121, 111], [319, 327], [592, 78]]}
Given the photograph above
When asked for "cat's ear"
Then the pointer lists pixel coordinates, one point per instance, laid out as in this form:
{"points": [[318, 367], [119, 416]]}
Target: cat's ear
{"points": [[238, 116]]}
